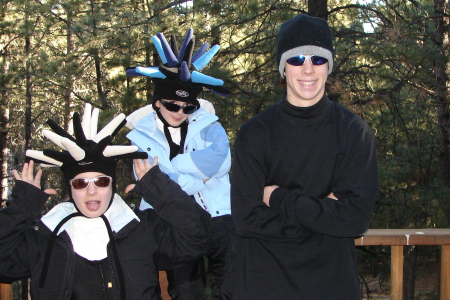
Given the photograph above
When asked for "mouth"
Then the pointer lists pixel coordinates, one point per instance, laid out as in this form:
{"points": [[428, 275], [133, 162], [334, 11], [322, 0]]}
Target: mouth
{"points": [[93, 205], [307, 83], [177, 119]]}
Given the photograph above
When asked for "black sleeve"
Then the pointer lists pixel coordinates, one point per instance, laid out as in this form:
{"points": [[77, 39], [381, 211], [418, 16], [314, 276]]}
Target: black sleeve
{"points": [[24, 207], [356, 188], [182, 228], [251, 216]]}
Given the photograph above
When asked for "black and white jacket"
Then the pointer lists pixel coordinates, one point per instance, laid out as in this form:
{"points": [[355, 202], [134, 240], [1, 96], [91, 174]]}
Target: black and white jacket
{"points": [[174, 232]]}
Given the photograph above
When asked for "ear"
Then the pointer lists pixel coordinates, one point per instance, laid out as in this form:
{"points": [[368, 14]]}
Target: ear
{"points": [[158, 104]]}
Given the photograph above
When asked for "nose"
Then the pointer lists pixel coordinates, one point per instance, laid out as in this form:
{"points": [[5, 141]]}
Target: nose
{"points": [[180, 111], [308, 67], [91, 189]]}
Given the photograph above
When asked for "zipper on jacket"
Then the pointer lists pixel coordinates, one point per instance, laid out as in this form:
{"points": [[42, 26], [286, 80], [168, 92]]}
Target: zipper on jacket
{"points": [[202, 200]]}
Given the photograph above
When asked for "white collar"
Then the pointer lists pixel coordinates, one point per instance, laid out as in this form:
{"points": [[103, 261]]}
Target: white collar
{"points": [[175, 133], [89, 236]]}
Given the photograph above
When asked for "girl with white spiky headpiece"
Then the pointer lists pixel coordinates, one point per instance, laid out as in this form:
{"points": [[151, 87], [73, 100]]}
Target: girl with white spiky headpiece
{"points": [[88, 154], [95, 246]]}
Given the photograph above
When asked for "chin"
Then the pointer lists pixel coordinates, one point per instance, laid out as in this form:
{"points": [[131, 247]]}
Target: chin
{"points": [[93, 214]]}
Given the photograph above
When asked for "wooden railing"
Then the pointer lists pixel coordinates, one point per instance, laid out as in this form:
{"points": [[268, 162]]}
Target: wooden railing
{"points": [[397, 239]]}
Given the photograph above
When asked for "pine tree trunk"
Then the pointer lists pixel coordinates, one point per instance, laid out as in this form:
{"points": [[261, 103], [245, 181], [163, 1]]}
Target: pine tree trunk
{"points": [[442, 97], [28, 86], [4, 122], [97, 62], [318, 8]]}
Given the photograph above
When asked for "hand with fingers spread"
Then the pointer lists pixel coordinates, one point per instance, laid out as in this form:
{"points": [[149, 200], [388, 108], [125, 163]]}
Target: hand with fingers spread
{"points": [[141, 167], [28, 176]]}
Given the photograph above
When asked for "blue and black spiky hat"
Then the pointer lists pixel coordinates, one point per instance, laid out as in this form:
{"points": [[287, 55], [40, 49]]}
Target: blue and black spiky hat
{"points": [[179, 77]]}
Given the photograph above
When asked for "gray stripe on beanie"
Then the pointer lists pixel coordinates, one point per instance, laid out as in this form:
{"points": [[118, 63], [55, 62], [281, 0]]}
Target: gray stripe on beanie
{"points": [[306, 50]]}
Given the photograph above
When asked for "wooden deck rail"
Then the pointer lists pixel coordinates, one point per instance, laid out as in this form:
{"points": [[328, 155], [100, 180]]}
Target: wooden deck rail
{"points": [[397, 239]]}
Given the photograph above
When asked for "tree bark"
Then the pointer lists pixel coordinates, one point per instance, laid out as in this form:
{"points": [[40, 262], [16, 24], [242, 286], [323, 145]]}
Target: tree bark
{"points": [[318, 8], [442, 99], [97, 61], [69, 77]]}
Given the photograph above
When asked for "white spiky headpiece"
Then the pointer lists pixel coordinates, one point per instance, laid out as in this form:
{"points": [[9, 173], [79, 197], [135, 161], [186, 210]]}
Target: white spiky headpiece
{"points": [[89, 150]]}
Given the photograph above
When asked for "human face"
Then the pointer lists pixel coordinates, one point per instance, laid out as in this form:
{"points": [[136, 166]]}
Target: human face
{"points": [[173, 118], [92, 201], [305, 83]]}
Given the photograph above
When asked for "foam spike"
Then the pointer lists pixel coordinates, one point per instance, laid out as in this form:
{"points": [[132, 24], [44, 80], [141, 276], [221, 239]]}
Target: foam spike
{"points": [[49, 166], [94, 123], [75, 151], [150, 72], [132, 72], [200, 52], [159, 48], [54, 137], [170, 56], [198, 77], [185, 74], [202, 61], [86, 123], [109, 128], [186, 41], [118, 150], [218, 89], [39, 155]]}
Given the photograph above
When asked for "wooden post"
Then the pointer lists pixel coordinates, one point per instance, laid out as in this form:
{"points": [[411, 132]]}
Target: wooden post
{"points": [[6, 291], [397, 272], [445, 272]]}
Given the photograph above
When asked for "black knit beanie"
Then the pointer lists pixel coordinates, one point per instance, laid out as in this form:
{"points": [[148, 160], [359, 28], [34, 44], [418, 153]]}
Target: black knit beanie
{"points": [[176, 90], [304, 35], [99, 164]]}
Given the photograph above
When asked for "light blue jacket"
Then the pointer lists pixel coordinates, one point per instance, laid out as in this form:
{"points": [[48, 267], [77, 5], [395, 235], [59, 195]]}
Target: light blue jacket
{"points": [[206, 156]]}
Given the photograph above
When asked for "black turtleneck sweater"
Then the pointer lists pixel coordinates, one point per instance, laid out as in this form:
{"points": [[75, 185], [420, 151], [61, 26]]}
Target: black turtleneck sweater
{"points": [[302, 246]]}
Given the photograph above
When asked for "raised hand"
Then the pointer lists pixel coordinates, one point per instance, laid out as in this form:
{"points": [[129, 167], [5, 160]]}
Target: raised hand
{"points": [[141, 167], [28, 176]]}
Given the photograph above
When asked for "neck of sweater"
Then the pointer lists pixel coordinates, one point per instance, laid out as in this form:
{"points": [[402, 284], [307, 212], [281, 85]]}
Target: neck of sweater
{"points": [[313, 112]]}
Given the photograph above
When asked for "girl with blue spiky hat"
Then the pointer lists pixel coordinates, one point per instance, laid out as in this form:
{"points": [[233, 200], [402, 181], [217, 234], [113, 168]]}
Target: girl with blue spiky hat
{"points": [[95, 246], [193, 149]]}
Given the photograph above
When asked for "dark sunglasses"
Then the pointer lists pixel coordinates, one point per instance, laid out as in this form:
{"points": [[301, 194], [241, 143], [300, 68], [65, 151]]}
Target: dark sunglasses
{"points": [[299, 60], [99, 181], [173, 107]]}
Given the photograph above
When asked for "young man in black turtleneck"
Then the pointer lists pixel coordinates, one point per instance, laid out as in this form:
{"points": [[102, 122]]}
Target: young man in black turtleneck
{"points": [[304, 181]]}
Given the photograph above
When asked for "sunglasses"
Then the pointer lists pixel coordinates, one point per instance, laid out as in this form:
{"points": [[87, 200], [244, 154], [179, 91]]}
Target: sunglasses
{"points": [[99, 181], [173, 107], [299, 60]]}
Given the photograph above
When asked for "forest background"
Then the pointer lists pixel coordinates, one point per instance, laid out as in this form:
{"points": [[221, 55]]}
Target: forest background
{"points": [[391, 68]]}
